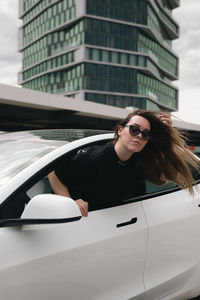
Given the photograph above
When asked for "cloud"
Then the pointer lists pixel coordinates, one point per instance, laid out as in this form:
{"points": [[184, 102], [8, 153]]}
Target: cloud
{"points": [[188, 49], [10, 59], [187, 15], [8, 73], [189, 105], [188, 45]]}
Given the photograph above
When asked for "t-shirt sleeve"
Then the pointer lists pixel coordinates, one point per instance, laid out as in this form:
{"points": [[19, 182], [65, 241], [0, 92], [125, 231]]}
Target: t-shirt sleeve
{"points": [[62, 169], [73, 168]]}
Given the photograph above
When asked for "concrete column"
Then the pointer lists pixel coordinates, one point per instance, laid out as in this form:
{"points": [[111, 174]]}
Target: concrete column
{"points": [[20, 38], [80, 53], [20, 8], [80, 8]]}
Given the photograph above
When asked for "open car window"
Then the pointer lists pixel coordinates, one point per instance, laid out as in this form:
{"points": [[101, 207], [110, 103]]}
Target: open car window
{"points": [[170, 186], [152, 188]]}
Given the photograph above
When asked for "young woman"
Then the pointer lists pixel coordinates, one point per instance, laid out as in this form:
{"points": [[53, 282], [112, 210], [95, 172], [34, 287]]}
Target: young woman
{"points": [[162, 153], [146, 146]]}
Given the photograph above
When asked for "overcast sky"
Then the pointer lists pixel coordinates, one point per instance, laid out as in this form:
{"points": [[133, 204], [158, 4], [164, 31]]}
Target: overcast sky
{"points": [[187, 47]]}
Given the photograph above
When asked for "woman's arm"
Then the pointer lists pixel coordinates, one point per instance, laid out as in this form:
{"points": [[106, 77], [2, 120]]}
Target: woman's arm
{"points": [[57, 186], [60, 189]]}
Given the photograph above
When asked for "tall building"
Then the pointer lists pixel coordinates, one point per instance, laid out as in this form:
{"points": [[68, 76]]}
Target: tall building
{"points": [[116, 52]]}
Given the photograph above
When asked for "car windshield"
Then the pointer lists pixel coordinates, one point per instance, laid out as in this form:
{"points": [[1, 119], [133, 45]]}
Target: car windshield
{"points": [[20, 149]]}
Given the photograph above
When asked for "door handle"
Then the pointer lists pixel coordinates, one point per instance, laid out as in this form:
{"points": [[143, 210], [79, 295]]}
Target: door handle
{"points": [[132, 221]]}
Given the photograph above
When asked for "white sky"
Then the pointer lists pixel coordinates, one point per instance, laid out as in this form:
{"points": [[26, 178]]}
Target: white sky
{"points": [[187, 47]]}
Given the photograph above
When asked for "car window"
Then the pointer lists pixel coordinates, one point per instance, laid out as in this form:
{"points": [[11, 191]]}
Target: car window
{"points": [[41, 187], [152, 188], [195, 173], [14, 206]]}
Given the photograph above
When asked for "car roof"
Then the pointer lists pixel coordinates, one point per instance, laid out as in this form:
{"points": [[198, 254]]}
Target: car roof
{"points": [[53, 134]]}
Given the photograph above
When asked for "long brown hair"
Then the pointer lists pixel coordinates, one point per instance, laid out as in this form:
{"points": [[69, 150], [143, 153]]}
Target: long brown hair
{"points": [[165, 152]]}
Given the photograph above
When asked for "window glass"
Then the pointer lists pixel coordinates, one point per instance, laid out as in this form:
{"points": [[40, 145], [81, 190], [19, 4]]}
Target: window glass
{"points": [[105, 55], [88, 53], [141, 61], [132, 60], [123, 58], [100, 39], [101, 70], [90, 38], [152, 188], [114, 57], [96, 54]]}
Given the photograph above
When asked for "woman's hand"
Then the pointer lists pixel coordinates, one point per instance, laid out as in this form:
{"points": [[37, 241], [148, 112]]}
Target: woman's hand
{"points": [[163, 178], [83, 206], [166, 119]]}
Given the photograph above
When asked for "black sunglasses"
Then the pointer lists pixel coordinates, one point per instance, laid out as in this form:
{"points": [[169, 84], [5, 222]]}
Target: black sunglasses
{"points": [[134, 131]]}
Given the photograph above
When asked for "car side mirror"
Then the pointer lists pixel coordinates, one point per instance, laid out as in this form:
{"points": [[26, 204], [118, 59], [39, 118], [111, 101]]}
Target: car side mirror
{"points": [[46, 209]]}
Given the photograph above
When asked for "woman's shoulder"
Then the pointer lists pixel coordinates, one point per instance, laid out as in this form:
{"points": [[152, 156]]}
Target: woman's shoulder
{"points": [[92, 153]]}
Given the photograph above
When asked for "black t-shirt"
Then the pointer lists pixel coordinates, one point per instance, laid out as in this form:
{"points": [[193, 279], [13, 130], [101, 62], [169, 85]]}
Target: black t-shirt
{"points": [[96, 175]]}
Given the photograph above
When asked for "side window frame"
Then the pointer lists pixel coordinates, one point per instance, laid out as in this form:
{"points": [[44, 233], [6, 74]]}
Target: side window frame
{"points": [[12, 204]]}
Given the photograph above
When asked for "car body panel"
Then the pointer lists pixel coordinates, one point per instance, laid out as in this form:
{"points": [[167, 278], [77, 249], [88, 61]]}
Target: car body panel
{"points": [[173, 242], [87, 259]]}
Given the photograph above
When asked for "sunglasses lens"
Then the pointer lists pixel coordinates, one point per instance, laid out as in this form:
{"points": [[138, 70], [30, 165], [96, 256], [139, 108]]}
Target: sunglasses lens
{"points": [[145, 135], [134, 130]]}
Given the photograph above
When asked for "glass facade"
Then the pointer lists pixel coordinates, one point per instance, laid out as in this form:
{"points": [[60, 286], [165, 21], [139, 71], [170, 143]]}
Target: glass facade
{"points": [[38, 21], [116, 52], [53, 43], [133, 11], [122, 101], [59, 81], [49, 64]]}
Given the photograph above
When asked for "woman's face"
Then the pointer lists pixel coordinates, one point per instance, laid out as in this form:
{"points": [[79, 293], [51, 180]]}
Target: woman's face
{"points": [[136, 143]]}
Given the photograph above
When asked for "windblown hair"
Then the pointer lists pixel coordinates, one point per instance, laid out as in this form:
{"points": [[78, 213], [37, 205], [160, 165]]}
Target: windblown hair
{"points": [[165, 153]]}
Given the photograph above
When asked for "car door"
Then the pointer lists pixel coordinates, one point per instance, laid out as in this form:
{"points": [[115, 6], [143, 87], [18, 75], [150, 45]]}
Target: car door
{"points": [[173, 251], [99, 257]]}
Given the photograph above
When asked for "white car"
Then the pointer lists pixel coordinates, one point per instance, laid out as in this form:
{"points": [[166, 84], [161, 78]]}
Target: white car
{"points": [[144, 248]]}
